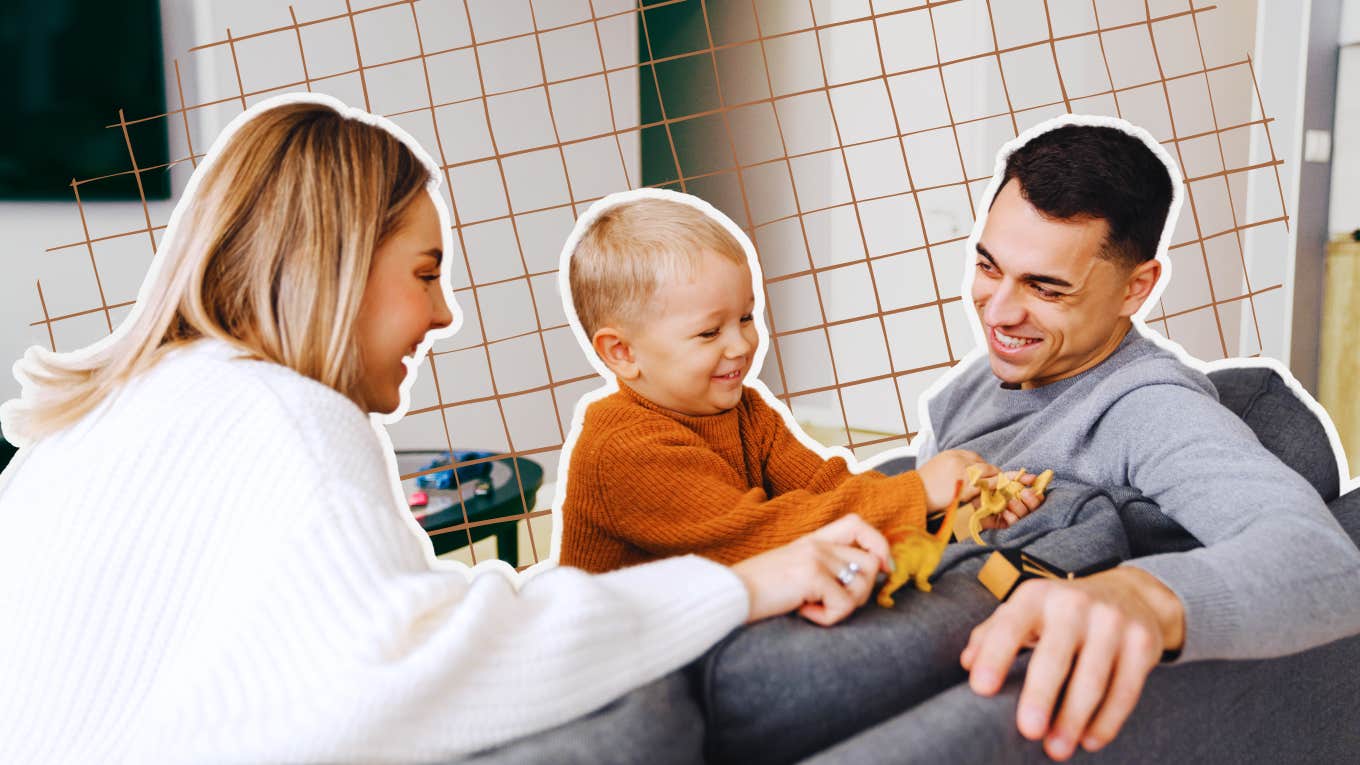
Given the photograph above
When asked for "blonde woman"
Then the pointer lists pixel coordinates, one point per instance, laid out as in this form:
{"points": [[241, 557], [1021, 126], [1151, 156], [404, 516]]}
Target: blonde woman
{"points": [[204, 553]]}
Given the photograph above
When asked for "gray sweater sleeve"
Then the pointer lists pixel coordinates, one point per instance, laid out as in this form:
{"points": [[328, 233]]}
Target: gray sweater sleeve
{"points": [[925, 447], [1277, 574]]}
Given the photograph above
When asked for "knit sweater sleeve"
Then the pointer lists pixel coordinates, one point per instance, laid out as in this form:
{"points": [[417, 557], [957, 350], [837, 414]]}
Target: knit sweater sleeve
{"points": [[669, 493], [790, 465], [1275, 563], [353, 646]]}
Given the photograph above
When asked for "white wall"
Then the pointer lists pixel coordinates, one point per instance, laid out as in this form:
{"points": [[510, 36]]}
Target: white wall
{"points": [[69, 284], [912, 198], [502, 303], [68, 278], [889, 327]]}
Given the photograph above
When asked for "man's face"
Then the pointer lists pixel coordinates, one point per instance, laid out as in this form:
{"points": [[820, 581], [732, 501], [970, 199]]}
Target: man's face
{"points": [[1050, 306]]}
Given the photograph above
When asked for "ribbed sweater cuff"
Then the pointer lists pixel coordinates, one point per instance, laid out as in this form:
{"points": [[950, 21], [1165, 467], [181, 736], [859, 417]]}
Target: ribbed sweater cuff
{"points": [[1213, 621], [688, 602], [914, 513]]}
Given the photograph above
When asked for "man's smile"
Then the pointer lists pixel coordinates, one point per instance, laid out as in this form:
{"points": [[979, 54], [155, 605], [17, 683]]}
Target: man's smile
{"points": [[1007, 344]]}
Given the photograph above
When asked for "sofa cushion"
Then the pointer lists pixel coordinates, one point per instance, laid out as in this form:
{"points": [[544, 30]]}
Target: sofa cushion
{"points": [[1282, 422], [1346, 508]]}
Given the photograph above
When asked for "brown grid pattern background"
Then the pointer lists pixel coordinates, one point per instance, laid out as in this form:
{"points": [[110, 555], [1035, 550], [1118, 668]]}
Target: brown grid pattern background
{"points": [[896, 83]]}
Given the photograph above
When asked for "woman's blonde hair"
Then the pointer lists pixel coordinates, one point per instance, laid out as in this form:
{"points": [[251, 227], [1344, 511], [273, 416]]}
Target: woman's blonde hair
{"points": [[269, 250]]}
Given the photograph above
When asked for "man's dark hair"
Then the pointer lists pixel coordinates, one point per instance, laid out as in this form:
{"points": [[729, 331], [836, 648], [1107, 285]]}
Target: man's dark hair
{"points": [[1090, 171]]}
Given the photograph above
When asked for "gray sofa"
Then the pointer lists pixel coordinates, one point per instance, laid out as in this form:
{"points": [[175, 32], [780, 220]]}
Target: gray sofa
{"points": [[1300, 708], [783, 690]]}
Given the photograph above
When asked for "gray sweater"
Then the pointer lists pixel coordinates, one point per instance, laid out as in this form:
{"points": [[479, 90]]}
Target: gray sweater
{"points": [[1276, 574]]}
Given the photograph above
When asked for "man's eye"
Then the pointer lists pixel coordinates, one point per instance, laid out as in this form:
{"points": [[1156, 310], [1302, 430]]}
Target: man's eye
{"points": [[1045, 292], [985, 266]]}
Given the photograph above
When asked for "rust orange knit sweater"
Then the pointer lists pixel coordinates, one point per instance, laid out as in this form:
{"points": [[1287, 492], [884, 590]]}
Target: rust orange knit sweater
{"points": [[646, 483]]}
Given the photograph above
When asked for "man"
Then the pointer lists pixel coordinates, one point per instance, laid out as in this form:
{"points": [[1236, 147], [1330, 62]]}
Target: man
{"points": [[1064, 264]]}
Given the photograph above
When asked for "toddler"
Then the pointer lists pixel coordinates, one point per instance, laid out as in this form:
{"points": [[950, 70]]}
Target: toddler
{"points": [[685, 458]]}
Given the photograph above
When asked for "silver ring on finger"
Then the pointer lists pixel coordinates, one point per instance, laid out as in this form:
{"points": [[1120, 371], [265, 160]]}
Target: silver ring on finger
{"points": [[847, 573]]}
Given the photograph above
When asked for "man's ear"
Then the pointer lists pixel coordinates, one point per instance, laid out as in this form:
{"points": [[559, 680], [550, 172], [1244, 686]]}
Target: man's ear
{"points": [[1139, 286], [614, 350]]}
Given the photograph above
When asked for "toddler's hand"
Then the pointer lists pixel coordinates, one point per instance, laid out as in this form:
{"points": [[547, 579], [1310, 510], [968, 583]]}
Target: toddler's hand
{"points": [[941, 472], [1027, 502]]}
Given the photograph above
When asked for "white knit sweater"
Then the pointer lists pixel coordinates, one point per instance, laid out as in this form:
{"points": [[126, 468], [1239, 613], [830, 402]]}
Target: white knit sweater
{"points": [[216, 565]]}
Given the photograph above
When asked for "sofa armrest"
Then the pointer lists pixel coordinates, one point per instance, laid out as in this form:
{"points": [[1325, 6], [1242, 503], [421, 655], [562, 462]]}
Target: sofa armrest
{"points": [[1346, 508], [1282, 422], [1291, 709]]}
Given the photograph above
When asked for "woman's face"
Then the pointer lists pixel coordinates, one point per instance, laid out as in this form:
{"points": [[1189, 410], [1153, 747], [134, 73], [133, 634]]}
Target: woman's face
{"points": [[402, 303]]}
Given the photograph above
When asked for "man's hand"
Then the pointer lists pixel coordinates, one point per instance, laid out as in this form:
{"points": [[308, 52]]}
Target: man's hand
{"points": [[1100, 635], [1025, 503]]}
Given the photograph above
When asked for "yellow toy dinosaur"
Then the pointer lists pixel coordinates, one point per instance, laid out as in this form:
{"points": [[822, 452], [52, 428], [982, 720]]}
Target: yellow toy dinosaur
{"points": [[992, 500], [916, 552]]}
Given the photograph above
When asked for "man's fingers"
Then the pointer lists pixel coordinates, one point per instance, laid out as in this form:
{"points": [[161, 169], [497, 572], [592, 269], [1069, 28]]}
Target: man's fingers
{"points": [[1090, 679], [1139, 655], [1048, 669], [1005, 520], [1006, 631], [974, 643]]}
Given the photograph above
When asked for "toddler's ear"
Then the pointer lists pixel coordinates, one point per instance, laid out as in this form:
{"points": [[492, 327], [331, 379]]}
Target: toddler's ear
{"points": [[615, 352]]}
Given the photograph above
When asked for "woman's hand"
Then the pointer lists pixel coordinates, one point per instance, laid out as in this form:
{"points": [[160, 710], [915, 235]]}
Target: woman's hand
{"points": [[803, 574]]}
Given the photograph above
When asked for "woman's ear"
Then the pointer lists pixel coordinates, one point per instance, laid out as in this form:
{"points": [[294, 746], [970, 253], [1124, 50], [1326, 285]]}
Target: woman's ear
{"points": [[613, 349]]}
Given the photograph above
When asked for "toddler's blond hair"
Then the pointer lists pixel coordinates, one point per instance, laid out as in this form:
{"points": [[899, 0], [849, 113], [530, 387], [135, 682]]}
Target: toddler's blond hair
{"points": [[631, 248]]}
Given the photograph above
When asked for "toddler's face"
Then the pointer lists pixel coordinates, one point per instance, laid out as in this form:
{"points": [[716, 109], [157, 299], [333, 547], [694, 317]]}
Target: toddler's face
{"points": [[695, 343]]}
